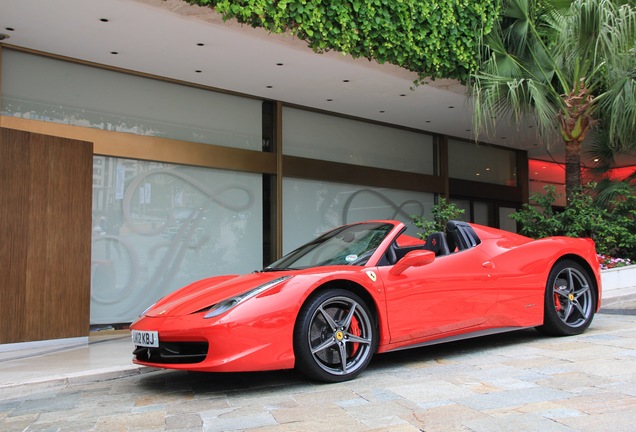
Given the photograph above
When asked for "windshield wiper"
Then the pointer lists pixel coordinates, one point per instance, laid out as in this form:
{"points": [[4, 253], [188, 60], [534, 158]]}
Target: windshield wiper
{"points": [[273, 269]]}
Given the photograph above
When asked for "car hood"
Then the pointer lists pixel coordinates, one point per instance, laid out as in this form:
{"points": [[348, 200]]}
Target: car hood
{"points": [[202, 294]]}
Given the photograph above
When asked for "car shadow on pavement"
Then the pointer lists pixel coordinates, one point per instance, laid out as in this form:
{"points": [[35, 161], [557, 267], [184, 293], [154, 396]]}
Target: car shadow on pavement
{"points": [[252, 383]]}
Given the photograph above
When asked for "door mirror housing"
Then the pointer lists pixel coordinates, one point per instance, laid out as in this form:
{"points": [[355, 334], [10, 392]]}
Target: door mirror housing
{"points": [[416, 258]]}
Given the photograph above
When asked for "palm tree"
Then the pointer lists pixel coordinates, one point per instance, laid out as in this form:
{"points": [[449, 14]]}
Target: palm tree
{"points": [[610, 187], [564, 64]]}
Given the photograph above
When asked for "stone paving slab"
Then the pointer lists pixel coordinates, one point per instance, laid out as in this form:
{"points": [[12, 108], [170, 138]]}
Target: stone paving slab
{"points": [[519, 381]]}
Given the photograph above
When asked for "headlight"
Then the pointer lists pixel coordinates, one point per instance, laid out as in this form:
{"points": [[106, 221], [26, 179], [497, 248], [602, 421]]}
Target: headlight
{"points": [[228, 304], [148, 308]]}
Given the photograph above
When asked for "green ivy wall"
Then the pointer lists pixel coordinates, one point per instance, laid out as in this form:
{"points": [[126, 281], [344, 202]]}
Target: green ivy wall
{"points": [[436, 39]]}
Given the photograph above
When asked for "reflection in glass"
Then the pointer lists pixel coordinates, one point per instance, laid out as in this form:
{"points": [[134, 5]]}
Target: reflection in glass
{"points": [[350, 245], [157, 227], [311, 208]]}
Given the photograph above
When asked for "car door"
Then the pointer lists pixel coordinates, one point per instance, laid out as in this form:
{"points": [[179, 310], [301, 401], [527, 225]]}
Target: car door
{"points": [[453, 294]]}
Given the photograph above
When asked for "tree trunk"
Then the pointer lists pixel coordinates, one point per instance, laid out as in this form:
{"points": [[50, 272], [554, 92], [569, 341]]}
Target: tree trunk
{"points": [[572, 168], [575, 121]]}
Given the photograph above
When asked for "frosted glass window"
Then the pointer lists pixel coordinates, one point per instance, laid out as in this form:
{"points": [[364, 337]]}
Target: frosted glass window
{"points": [[481, 212], [324, 137], [158, 227], [313, 207], [41, 88], [505, 222], [462, 205], [481, 163]]}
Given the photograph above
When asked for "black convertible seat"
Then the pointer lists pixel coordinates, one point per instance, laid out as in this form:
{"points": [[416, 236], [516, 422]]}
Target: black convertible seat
{"points": [[436, 242], [461, 235]]}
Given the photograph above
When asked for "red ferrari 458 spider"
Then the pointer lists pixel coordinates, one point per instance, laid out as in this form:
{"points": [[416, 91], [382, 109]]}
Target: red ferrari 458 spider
{"points": [[365, 288]]}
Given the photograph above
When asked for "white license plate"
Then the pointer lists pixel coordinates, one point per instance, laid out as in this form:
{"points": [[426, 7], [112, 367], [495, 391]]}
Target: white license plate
{"points": [[145, 338]]}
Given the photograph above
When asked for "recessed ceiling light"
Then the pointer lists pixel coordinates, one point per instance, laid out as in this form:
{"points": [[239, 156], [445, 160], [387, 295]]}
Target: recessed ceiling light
{"points": [[200, 44], [329, 100], [104, 19], [345, 80], [114, 52], [279, 64], [198, 71], [269, 86]]}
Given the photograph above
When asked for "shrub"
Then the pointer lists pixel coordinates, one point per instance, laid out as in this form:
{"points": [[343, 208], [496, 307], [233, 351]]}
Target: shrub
{"points": [[441, 213], [611, 226]]}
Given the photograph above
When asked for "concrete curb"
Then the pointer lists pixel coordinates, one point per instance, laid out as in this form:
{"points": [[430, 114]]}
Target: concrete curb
{"points": [[54, 382], [617, 296]]}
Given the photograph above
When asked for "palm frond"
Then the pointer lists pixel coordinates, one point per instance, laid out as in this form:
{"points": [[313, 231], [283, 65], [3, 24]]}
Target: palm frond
{"points": [[608, 191], [550, 58], [601, 151], [619, 106]]}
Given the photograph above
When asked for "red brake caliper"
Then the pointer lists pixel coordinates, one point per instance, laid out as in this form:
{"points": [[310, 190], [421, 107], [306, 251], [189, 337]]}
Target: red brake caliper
{"points": [[557, 302], [354, 329]]}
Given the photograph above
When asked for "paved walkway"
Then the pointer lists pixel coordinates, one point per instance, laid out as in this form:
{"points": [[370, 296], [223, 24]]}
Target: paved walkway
{"points": [[518, 381]]}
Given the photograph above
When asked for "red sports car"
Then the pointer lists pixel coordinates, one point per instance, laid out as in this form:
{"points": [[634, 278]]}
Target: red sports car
{"points": [[365, 288]]}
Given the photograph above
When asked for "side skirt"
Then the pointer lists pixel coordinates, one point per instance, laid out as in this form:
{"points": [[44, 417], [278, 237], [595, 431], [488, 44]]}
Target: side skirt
{"points": [[455, 338]]}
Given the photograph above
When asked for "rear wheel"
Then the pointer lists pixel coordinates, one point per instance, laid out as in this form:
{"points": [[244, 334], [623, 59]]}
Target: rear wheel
{"points": [[570, 300], [335, 336]]}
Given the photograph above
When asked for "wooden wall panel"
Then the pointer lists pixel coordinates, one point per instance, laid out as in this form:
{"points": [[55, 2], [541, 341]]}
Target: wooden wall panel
{"points": [[45, 218], [13, 232]]}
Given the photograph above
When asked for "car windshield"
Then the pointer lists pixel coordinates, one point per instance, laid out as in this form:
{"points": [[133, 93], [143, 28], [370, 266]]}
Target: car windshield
{"points": [[348, 245]]}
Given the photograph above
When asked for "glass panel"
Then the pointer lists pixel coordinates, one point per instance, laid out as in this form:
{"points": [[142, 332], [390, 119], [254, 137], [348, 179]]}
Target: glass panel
{"points": [[158, 227], [324, 137], [463, 205], [543, 174], [53, 90], [505, 222], [482, 163], [311, 208], [481, 211], [349, 245]]}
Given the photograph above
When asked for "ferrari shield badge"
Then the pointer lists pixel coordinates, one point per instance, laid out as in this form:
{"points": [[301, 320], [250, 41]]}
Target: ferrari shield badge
{"points": [[372, 275]]}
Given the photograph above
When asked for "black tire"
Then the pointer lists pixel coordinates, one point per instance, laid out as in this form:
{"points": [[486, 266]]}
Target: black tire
{"points": [[570, 300], [335, 336]]}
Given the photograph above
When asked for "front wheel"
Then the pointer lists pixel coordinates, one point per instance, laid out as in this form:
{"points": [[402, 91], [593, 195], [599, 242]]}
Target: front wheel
{"points": [[335, 336], [570, 300]]}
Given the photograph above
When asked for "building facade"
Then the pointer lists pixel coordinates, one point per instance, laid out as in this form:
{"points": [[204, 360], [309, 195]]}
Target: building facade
{"points": [[190, 181]]}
